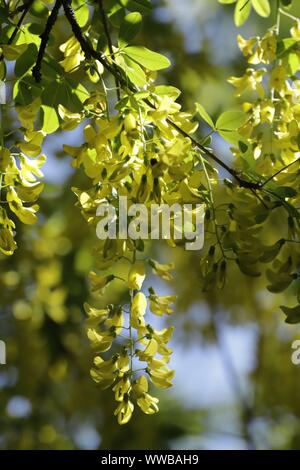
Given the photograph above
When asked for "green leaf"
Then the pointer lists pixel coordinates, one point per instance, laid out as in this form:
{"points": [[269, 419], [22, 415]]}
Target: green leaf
{"points": [[279, 281], [270, 252], [231, 121], [167, 90], [129, 28], [148, 59], [262, 7], [26, 60], [286, 3], [294, 62], [26, 90], [285, 46], [242, 12], [204, 115], [134, 72], [286, 191], [292, 314], [49, 119], [2, 70], [247, 268], [143, 6], [39, 10], [226, 2], [82, 14], [243, 146]]}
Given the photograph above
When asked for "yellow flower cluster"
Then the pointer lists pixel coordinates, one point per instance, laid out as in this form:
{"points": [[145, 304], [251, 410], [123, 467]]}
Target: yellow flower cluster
{"points": [[19, 174], [143, 352], [272, 130]]}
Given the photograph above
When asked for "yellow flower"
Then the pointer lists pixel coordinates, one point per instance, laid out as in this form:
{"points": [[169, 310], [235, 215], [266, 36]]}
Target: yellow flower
{"points": [[278, 78], [148, 404], [100, 342], [115, 323], [124, 411], [140, 386], [123, 363], [246, 45], [162, 270], [95, 316], [7, 242], [251, 80], [160, 376], [149, 352], [104, 372], [121, 388], [160, 305], [295, 31], [138, 310], [99, 282], [73, 54], [136, 275]]}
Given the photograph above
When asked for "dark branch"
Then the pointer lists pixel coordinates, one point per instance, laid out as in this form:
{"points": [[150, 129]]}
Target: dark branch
{"points": [[36, 71], [25, 9], [280, 171], [109, 42], [87, 48]]}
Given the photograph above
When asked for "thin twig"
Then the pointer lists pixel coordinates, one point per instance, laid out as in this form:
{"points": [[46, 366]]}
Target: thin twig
{"points": [[280, 171], [36, 71], [109, 42], [26, 8]]}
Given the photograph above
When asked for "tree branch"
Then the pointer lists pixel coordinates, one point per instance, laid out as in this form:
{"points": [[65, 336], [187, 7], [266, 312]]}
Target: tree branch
{"points": [[280, 171], [25, 9], [109, 42], [36, 71]]}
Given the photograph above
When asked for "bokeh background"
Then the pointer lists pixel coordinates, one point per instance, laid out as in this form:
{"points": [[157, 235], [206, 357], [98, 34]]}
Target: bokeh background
{"points": [[235, 386]]}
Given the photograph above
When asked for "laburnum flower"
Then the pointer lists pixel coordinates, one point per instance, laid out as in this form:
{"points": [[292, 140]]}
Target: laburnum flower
{"points": [[124, 410], [136, 275], [295, 31], [123, 363], [267, 111], [7, 242], [147, 403], [162, 337], [162, 270], [73, 54], [250, 81], [95, 316], [99, 282], [287, 142], [100, 342], [138, 310], [116, 320], [265, 50], [149, 351], [28, 114], [160, 304], [121, 388], [160, 374], [246, 45], [105, 372], [278, 78]]}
